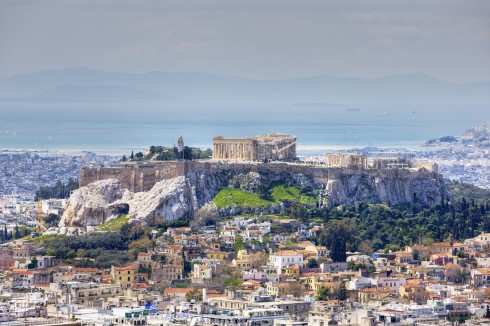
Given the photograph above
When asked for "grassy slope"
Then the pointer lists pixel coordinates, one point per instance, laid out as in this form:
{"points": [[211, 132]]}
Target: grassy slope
{"points": [[115, 224], [238, 197], [279, 192]]}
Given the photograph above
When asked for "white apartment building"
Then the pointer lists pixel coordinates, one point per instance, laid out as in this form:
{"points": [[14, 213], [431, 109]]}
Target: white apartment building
{"points": [[284, 258]]}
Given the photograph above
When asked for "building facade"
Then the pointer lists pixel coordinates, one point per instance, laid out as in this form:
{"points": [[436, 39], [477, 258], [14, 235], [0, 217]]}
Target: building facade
{"points": [[260, 148], [346, 160]]}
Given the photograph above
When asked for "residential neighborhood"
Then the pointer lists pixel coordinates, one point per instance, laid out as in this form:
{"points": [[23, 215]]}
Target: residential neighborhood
{"points": [[260, 270]]}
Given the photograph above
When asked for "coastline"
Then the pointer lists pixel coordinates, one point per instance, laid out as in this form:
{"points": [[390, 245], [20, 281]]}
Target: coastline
{"points": [[119, 151]]}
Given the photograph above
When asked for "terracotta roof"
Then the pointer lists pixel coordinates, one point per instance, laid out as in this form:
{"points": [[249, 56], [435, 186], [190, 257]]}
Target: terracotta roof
{"points": [[177, 290], [373, 290], [484, 271], [126, 268], [143, 254], [86, 270], [391, 310], [24, 272], [286, 253], [307, 274], [140, 286], [446, 244], [295, 266], [435, 256], [450, 265], [16, 270]]}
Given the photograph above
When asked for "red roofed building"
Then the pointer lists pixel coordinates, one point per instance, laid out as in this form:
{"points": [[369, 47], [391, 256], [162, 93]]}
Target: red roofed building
{"points": [[480, 276], [177, 292], [125, 276]]}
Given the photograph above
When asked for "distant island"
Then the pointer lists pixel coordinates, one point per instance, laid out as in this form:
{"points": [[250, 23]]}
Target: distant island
{"points": [[478, 136]]}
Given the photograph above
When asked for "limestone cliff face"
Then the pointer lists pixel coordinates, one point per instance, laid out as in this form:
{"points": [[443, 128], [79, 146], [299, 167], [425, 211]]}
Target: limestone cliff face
{"points": [[168, 200], [95, 204], [181, 196], [389, 186]]}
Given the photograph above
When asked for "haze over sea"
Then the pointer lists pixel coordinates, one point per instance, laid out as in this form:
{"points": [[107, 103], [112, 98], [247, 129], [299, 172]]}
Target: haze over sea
{"points": [[116, 128]]}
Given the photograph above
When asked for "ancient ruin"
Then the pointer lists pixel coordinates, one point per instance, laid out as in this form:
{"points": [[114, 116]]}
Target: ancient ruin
{"points": [[268, 147], [346, 160]]}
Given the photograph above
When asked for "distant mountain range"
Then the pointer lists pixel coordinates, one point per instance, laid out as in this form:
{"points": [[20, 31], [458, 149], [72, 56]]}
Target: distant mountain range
{"points": [[88, 85]]}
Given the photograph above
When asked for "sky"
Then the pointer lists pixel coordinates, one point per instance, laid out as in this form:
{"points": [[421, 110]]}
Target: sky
{"points": [[274, 39]]}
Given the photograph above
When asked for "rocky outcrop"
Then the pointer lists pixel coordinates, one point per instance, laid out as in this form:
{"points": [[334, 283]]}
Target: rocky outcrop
{"points": [[181, 196], [95, 204], [395, 187], [168, 200]]}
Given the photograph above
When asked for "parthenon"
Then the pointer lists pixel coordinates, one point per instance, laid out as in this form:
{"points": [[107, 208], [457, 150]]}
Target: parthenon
{"points": [[260, 148]]}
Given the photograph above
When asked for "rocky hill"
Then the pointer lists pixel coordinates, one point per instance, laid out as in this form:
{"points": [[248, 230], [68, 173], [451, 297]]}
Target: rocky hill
{"points": [[180, 196]]}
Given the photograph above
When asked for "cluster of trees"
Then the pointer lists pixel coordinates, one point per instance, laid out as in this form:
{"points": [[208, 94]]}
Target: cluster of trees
{"points": [[65, 247], [102, 250], [161, 153], [59, 190], [332, 293], [51, 220], [368, 227], [16, 233]]}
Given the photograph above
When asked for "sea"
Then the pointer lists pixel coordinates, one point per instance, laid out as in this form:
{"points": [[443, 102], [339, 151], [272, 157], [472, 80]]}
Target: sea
{"points": [[119, 128]]}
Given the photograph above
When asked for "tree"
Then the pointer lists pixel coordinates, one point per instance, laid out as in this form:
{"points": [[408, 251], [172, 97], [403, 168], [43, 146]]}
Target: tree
{"points": [[298, 210], [415, 255], [194, 294], [323, 293], [335, 236], [124, 158], [52, 220], [81, 253], [289, 244], [33, 264], [266, 239], [312, 263], [141, 245], [295, 289], [132, 155], [340, 293], [365, 247], [139, 155], [239, 244]]}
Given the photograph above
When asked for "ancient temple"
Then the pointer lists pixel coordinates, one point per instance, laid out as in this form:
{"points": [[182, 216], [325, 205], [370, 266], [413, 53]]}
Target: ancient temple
{"points": [[260, 148], [345, 160]]}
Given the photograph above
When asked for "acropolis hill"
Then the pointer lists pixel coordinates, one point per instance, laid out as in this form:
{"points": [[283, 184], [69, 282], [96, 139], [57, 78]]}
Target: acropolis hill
{"points": [[176, 189]]}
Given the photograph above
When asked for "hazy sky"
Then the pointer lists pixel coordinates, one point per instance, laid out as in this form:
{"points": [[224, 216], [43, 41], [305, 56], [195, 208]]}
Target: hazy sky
{"points": [[449, 39]]}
